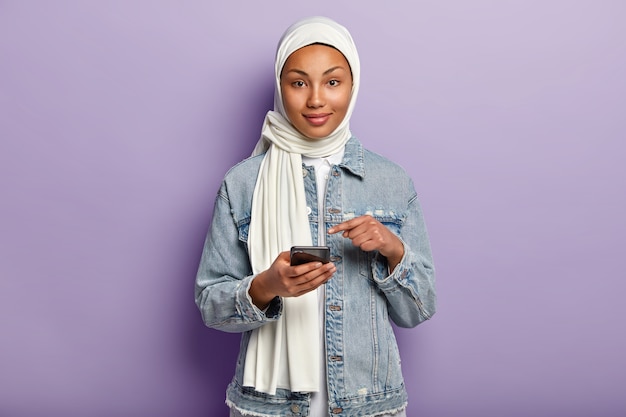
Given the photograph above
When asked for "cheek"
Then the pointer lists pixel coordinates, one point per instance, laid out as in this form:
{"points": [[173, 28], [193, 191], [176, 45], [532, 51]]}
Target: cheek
{"points": [[342, 101], [290, 101]]}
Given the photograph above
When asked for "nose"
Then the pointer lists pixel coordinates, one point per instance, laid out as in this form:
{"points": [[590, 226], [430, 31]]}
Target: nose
{"points": [[316, 98]]}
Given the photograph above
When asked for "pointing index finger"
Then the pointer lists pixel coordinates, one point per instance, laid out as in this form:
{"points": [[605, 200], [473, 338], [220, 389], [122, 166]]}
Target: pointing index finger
{"points": [[347, 225]]}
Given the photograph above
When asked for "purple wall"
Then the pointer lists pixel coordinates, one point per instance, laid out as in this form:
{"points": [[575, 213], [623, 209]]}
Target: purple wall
{"points": [[118, 120]]}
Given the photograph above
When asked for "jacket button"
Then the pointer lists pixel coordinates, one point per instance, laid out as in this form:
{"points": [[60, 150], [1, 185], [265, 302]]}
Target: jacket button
{"points": [[304, 172], [308, 210], [335, 308], [337, 410], [295, 408]]}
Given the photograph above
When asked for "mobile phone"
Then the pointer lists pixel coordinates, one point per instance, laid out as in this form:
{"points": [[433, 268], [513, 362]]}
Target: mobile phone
{"points": [[303, 254]]}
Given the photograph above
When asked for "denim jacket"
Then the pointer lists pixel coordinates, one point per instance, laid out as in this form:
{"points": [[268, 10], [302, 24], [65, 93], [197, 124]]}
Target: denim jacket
{"points": [[364, 377]]}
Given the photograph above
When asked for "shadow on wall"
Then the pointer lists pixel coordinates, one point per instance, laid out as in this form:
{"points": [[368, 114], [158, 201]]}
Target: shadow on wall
{"points": [[214, 355], [236, 131], [211, 355], [208, 355]]}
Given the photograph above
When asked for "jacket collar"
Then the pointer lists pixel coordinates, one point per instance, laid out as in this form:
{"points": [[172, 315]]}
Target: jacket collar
{"points": [[353, 158]]}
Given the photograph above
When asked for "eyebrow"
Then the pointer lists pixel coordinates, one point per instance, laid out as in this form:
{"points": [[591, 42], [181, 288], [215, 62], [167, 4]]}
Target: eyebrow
{"points": [[328, 71]]}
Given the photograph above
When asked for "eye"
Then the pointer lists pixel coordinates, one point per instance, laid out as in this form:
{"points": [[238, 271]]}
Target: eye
{"points": [[333, 83], [298, 84]]}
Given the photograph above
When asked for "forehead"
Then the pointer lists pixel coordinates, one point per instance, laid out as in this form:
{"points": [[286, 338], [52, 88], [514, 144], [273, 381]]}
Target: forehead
{"points": [[316, 56]]}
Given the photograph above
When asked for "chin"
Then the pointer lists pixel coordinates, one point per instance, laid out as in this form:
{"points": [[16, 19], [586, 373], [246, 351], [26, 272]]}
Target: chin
{"points": [[317, 135], [314, 138]]}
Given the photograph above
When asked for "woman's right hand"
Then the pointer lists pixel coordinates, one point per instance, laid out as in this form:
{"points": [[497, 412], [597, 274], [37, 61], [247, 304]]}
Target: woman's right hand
{"points": [[284, 280]]}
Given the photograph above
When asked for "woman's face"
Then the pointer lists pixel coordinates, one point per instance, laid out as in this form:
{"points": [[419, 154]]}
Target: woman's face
{"points": [[316, 85]]}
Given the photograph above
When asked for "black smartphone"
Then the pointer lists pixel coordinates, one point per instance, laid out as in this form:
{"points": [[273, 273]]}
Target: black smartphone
{"points": [[303, 254]]}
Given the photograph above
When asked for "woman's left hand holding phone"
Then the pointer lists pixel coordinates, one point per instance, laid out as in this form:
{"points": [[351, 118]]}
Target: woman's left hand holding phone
{"points": [[284, 280]]}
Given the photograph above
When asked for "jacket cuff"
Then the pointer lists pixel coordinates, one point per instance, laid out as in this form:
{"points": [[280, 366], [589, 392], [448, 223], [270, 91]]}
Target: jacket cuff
{"points": [[389, 281], [249, 310]]}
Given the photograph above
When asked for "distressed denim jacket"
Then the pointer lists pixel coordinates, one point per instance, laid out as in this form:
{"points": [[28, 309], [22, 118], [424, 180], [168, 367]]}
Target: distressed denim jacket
{"points": [[364, 377]]}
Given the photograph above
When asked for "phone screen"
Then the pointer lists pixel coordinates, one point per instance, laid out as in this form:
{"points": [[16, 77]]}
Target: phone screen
{"points": [[303, 254]]}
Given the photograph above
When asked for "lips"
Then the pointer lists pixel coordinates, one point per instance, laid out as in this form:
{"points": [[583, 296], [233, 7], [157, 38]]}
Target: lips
{"points": [[317, 119]]}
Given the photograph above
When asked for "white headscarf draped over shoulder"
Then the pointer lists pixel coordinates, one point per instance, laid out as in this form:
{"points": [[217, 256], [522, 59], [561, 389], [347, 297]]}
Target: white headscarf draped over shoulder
{"points": [[284, 353]]}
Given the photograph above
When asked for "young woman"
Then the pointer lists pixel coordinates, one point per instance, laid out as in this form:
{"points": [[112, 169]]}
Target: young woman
{"points": [[317, 338]]}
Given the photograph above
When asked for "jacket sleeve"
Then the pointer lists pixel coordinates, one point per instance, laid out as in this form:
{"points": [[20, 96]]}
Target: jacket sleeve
{"points": [[224, 276], [410, 288]]}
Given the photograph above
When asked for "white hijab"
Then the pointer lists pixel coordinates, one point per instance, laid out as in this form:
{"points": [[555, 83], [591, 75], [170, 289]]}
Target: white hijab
{"points": [[284, 353]]}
